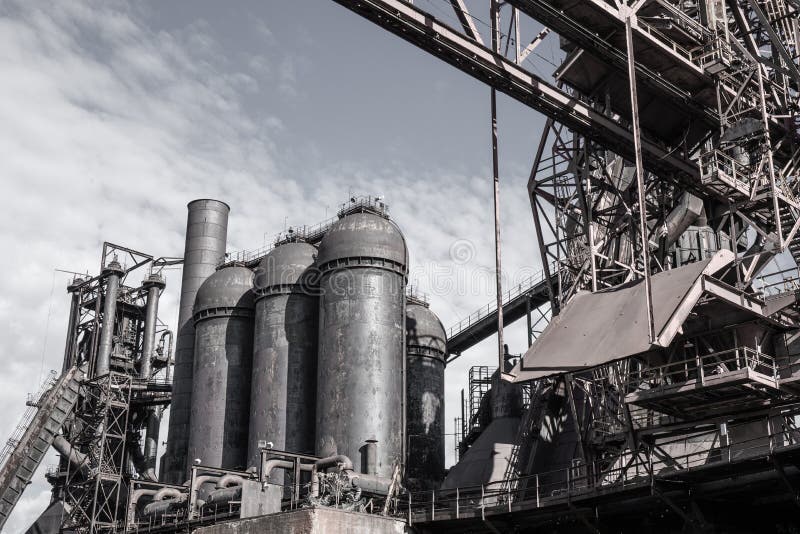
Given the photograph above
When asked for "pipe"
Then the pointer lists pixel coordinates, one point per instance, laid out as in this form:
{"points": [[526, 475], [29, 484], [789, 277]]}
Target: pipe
{"points": [[135, 496], [157, 508], [229, 480], [166, 350], [369, 483], [153, 284], [170, 493], [369, 457], [78, 459], [275, 463], [138, 459], [224, 495], [112, 272], [74, 314], [366, 482], [151, 440], [337, 460]]}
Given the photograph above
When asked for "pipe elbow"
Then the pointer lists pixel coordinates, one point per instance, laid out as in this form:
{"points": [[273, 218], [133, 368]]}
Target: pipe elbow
{"points": [[333, 461], [229, 480]]}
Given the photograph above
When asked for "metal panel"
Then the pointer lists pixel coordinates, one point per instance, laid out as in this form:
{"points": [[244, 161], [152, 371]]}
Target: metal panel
{"points": [[596, 328]]}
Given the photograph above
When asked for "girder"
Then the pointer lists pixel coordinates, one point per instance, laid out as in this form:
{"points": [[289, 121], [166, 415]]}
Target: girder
{"points": [[423, 30]]}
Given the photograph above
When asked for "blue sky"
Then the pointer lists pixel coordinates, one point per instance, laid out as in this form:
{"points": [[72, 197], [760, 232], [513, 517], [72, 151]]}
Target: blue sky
{"points": [[113, 116]]}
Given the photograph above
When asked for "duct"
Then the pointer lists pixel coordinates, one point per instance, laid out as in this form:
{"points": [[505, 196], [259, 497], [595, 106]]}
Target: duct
{"points": [[153, 284], [112, 273], [78, 460], [206, 235], [681, 217]]}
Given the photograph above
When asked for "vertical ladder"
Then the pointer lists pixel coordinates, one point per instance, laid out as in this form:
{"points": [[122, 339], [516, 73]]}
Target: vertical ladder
{"points": [[36, 431]]}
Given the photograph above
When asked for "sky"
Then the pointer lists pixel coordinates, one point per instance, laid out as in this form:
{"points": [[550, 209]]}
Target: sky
{"points": [[113, 116]]}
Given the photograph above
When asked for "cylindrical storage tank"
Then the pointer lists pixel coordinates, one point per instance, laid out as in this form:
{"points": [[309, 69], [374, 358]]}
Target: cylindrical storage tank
{"points": [[284, 389], [360, 389], [426, 356], [223, 354], [206, 236]]}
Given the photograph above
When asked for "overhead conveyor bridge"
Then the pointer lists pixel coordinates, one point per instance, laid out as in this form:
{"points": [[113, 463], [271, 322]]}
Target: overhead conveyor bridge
{"points": [[36, 432]]}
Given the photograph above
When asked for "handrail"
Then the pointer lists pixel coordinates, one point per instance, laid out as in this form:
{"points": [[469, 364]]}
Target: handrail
{"points": [[485, 311], [554, 487]]}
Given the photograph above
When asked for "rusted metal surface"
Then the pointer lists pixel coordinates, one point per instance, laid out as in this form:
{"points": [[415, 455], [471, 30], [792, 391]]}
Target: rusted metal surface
{"points": [[223, 352], [206, 236], [283, 391], [360, 388], [426, 351]]}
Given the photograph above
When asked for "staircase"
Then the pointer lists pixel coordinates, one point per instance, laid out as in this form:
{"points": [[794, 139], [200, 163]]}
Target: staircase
{"points": [[34, 435], [787, 222], [527, 433]]}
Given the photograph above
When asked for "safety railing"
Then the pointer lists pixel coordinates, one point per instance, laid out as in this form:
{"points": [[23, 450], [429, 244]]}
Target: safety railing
{"points": [[33, 403], [520, 289], [702, 367], [554, 488]]}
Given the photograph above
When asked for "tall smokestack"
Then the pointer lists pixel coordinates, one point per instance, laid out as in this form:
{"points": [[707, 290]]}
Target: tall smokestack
{"points": [[206, 235]]}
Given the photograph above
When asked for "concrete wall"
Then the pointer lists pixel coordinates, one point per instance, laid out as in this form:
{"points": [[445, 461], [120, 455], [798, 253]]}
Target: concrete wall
{"points": [[311, 521]]}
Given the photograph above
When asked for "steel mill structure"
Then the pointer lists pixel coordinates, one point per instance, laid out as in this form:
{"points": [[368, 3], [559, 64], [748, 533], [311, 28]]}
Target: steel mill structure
{"points": [[660, 388]]}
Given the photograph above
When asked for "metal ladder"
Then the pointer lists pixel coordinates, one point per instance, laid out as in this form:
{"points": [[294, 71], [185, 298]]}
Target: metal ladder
{"points": [[34, 435]]}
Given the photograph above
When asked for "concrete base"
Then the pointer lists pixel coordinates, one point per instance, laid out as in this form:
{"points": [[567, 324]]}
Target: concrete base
{"points": [[311, 521], [259, 501]]}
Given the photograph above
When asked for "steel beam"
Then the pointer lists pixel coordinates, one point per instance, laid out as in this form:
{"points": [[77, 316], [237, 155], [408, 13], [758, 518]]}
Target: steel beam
{"points": [[423, 30]]}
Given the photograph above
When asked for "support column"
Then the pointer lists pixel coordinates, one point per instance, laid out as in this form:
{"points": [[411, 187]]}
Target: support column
{"points": [[637, 142]]}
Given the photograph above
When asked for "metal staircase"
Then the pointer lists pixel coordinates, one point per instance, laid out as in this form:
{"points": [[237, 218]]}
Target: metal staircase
{"points": [[526, 436], [34, 435], [787, 222]]}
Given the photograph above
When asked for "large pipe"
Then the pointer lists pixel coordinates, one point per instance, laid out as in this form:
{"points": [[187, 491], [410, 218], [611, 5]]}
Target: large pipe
{"points": [[78, 460], [154, 283], [223, 495], [151, 441], [74, 315], [206, 235], [112, 274]]}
